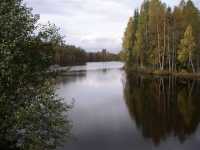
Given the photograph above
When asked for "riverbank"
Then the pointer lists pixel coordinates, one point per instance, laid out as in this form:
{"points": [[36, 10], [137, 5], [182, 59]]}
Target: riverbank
{"points": [[187, 75], [82, 69]]}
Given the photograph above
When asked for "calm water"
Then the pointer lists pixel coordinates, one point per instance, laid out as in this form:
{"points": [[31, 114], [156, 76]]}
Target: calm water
{"points": [[116, 111]]}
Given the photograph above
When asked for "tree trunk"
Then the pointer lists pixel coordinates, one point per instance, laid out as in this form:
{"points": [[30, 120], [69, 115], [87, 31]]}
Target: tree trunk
{"points": [[164, 47], [191, 62], [158, 46], [169, 51]]}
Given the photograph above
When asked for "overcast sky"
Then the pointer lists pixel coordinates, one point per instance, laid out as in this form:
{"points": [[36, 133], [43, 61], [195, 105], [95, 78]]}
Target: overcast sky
{"points": [[90, 24]]}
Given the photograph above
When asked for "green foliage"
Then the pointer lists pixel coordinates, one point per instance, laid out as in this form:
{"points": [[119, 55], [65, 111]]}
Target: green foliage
{"points": [[49, 33], [31, 114], [72, 55], [141, 41], [103, 55], [129, 35], [129, 38], [69, 55], [122, 55]]}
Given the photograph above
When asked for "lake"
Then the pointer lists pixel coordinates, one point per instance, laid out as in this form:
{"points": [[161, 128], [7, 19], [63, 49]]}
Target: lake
{"points": [[115, 111]]}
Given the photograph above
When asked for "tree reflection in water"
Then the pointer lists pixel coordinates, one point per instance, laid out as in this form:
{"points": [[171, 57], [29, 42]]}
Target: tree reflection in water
{"points": [[32, 117], [163, 106]]}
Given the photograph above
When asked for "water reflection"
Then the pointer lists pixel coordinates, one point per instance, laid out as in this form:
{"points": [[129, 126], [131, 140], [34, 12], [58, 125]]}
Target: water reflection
{"points": [[111, 110], [71, 77], [163, 107]]}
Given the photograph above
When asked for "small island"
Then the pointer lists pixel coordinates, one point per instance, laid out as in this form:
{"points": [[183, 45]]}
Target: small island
{"points": [[162, 40]]}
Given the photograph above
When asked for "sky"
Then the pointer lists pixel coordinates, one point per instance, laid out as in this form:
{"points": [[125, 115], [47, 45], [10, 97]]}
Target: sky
{"points": [[90, 24]]}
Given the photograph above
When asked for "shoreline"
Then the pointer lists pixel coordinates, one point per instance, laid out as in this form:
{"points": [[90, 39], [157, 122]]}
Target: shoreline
{"points": [[185, 75]]}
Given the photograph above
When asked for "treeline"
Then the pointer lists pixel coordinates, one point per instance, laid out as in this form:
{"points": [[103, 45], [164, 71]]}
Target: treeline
{"points": [[69, 55], [72, 55], [163, 38], [103, 55]]}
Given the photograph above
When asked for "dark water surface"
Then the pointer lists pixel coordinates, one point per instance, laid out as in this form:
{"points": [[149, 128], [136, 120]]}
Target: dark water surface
{"points": [[118, 111]]}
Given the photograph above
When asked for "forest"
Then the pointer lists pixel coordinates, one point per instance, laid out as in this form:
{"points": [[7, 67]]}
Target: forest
{"points": [[71, 55], [103, 55], [161, 38]]}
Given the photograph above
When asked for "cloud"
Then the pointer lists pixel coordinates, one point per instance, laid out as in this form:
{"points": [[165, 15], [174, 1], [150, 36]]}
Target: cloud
{"points": [[90, 24]]}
